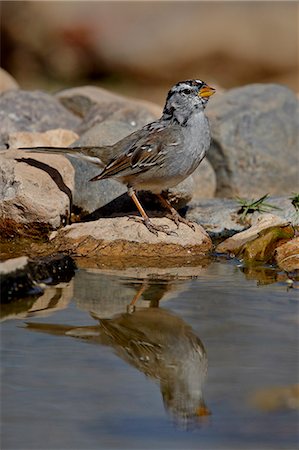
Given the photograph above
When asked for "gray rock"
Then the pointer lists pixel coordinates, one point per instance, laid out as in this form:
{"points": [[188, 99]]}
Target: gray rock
{"points": [[32, 111], [217, 216], [220, 218], [82, 99], [255, 140], [204, 181], [92, 196]]}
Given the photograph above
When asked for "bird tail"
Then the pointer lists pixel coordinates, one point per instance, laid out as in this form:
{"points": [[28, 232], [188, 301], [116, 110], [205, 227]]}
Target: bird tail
{"points": [[90, 154]]}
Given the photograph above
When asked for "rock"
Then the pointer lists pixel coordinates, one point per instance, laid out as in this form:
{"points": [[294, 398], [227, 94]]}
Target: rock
{"points": [[276, 398], [33, 111], [53, 299], [287, 255], [133, 116], [255, 140], [153, 45], [217, 216], [82, 99], [19, 276], [258, 242], [35, 188], [15, 281], [7, 82], [204, 181], [221, 219], [51, 138], [121, 237]]}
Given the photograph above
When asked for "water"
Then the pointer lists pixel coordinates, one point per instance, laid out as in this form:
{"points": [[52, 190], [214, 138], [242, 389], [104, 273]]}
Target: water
{"points": [[73, 379]]}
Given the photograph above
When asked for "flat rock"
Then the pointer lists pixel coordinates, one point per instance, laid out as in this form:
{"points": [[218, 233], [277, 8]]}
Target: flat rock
{"points": [[287, 255], [233, 244], [255, 140], [221, 219], [121, 237], [35, 188], [32, 111]]}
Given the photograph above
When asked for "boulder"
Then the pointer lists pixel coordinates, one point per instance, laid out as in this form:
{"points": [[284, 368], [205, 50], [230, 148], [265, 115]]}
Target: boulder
{"points": [[255, 140], [32, 111], [81, 100], [121, 237], [35, 188]]}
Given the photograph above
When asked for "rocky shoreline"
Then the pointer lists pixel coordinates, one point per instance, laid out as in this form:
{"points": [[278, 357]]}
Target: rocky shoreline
{"points": [[48, 207]]}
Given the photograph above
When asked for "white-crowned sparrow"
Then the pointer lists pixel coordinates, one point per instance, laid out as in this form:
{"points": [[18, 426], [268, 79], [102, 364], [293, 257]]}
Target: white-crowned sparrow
{"points": [[161, 154]]}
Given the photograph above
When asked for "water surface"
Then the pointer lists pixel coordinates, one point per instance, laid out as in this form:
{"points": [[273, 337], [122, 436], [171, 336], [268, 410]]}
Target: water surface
{"points": [[178, 368]]}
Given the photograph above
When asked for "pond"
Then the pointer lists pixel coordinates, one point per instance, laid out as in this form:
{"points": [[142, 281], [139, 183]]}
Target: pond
{"points": [[180, 358]]}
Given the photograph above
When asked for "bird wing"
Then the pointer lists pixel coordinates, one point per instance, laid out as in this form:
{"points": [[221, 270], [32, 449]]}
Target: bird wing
{"points": [[142, 154]]}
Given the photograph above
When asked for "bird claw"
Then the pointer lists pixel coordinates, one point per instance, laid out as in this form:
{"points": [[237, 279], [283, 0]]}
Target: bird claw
{"points": [[152, 227], [177, 218]]}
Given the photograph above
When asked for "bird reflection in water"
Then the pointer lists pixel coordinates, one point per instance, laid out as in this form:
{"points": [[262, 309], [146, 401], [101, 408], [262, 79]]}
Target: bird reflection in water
{"points": [[159, 344]]}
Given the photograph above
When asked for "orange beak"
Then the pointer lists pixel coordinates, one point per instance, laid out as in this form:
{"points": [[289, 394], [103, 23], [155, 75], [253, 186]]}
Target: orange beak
{"points": [[203, 411], [206, 91]]}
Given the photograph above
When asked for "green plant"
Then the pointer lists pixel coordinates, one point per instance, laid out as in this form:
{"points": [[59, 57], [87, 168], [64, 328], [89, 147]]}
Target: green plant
{"points": [[295, 201], [251, 206]]}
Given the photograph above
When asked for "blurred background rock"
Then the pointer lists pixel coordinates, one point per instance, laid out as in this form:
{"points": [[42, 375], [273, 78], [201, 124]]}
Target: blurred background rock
{"points": [[141, 48]]}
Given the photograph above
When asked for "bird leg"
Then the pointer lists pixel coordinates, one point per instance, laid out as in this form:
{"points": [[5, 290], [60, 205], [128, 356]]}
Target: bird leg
{"points": [[131, 305], [175, 216], [145, 219]]}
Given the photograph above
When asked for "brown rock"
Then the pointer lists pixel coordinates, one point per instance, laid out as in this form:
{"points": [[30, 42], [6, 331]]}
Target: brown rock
{"points": [[258, 242], [287, 255], [276, 398], [35, 188], [7, 82], [121, 237], [51, 138]]}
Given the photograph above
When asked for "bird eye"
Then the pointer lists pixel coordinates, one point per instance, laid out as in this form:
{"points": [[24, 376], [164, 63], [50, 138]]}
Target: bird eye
{"points": [[187, 91]]}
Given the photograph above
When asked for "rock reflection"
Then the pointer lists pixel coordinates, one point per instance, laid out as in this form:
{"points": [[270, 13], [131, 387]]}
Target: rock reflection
{"points": [[54, 298], [159, 344]]}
